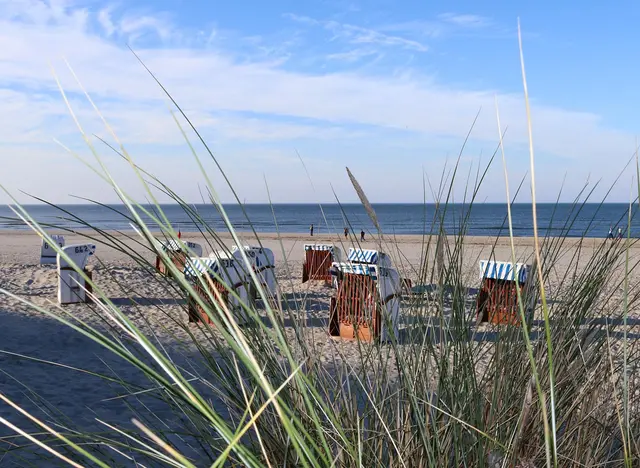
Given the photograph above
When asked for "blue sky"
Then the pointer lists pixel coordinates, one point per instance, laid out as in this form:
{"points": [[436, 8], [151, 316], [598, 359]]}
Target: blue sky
{"points": [[389, 89]]}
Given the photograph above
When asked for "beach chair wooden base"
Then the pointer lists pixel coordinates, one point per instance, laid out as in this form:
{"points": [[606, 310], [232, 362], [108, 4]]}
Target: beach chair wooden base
{"points": [[178, 259], [334, 322], [196, 312], [497, 302], [362, 333], [316, 266], [354, 311]]}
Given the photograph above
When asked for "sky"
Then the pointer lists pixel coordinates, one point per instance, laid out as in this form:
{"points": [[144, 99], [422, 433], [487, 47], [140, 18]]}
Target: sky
{"points": [[287, 94]]}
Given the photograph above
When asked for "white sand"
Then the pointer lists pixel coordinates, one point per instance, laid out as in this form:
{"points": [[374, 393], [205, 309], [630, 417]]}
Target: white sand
{"points": [[160, 312]]}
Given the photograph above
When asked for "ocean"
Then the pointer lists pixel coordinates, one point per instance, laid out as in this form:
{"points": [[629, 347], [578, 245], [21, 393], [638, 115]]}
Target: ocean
{"points": [[487, 219]]}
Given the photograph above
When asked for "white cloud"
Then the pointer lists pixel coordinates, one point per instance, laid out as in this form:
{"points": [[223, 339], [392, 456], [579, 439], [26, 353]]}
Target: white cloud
{"points": [[467, 21], [360, 35], [104, 18], [353, 55], [37, 12], [217, 90], [419, 28], [136, 26]]}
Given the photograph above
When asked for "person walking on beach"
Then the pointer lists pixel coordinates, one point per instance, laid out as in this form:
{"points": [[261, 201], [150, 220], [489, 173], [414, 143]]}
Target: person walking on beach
{"points": [[362, 235], [619, 233], [311, 230], [346, 232], [610, 235]]}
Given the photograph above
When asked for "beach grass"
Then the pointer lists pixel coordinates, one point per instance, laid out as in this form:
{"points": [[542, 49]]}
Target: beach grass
{"points": [[558, 390]]}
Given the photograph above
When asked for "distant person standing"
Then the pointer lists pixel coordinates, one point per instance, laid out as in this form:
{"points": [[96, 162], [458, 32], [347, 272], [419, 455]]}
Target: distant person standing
{"points": [[362, 235], [619, 233], [610, 235], [346, 232], [311, 230]]}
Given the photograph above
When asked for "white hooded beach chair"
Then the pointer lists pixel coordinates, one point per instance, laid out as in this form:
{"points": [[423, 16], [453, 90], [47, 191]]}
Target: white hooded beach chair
{"points": [[72, 287], [263, 262], [47, 253]]}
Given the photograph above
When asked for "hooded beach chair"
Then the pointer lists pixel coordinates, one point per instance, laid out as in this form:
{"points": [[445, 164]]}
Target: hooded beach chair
{"points": [[367, 303], [317, 261], [263, 262], [72, 287], [497, 300], [177, 250], [220, 272], [48, 254]]}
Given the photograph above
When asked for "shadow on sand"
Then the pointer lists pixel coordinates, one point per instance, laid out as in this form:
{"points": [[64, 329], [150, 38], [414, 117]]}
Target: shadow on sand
{"points": [[146, 301], [439, 330]]}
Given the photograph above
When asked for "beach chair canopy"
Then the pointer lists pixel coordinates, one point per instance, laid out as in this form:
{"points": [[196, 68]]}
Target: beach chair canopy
{"points": [[178, 245], [48, 253], [504, 271], [78, 253], [262, 257], [354, 268], [369, 256], [221, 265]]}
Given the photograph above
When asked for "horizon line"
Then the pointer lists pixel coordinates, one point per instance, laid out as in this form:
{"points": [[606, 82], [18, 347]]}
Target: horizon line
{"points": [[54, 205]]}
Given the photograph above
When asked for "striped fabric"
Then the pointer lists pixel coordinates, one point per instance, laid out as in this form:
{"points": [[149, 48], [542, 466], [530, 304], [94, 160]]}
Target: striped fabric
{"points": [[319, 247], [198, 266], [174, 245], [504, 271], [363, 256], [354, 268]]}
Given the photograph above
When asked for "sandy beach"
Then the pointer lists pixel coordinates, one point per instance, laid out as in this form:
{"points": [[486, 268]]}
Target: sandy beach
{"points": [[34, 346]]}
